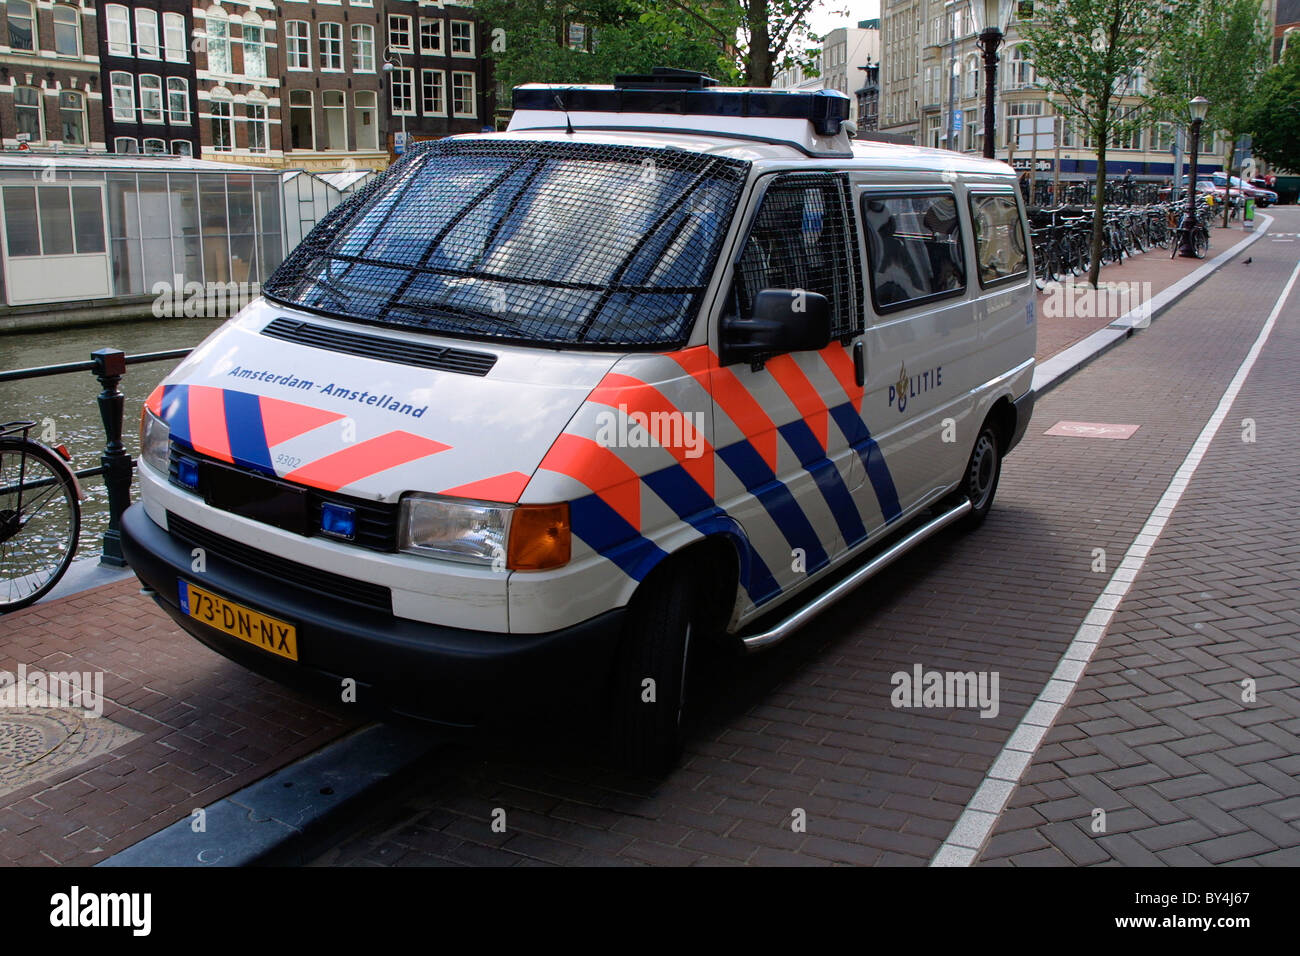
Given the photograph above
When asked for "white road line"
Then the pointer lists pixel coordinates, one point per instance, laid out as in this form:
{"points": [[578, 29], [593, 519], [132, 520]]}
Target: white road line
{"points": [[973, 827]]}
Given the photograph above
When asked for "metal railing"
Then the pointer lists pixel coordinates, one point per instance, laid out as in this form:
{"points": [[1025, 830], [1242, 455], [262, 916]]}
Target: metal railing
{"points": [[117, 467]]}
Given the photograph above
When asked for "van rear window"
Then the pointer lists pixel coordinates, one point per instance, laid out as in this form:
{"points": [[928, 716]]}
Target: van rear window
{"points": [[546, 243], [915, 248], [999, 238]]}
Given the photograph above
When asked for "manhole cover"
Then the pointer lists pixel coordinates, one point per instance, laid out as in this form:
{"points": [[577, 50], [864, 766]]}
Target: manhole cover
{"points": [[38, 742]]}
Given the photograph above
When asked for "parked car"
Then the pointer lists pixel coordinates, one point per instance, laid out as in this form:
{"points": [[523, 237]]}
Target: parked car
{"points": [[545, 409], [1262, 195]]}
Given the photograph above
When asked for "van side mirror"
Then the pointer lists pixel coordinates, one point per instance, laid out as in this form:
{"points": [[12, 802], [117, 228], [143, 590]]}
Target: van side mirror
{"points": [[783, 320]]}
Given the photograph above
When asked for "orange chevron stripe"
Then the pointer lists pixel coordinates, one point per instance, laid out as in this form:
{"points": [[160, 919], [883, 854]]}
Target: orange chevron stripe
{"points": [[154, 401], [208, 432], [795, 384], [283, 420], [618, 390], [597, 467], [743, 409], [507, 488], [840, 362], [364, 459]]}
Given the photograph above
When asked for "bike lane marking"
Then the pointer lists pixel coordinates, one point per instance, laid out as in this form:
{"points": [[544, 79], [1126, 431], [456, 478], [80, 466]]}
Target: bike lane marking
{"points": [[971, 831]]}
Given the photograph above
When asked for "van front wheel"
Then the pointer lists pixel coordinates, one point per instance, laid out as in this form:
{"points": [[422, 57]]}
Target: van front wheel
{"points": [[650, 679], [980, 482]]}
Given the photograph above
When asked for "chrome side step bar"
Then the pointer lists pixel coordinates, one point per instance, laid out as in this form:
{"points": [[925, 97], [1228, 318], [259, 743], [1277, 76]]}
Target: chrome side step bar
{"points": [[873, 567]]}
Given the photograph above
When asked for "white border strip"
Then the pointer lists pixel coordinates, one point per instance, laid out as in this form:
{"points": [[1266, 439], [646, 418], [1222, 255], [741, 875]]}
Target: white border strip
{"points": [[973, 827]]}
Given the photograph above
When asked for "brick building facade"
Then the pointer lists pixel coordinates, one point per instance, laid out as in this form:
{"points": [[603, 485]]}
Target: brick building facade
{"points": [[147, 73], [51, 95], [237, 64]]}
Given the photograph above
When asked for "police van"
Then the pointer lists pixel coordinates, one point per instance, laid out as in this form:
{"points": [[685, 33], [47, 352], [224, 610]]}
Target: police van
{"points": [[541, 411]]}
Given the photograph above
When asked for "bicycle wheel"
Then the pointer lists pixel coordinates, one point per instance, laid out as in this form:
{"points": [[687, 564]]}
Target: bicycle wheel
{"points": [[1200, 243], [38, 539]]}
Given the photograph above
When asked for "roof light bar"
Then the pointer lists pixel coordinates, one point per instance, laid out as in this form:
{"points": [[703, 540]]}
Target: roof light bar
{"points": [[689, 95]]}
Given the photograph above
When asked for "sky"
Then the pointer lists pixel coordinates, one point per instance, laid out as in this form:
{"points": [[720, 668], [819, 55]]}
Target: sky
{"points": [[830, 14]]}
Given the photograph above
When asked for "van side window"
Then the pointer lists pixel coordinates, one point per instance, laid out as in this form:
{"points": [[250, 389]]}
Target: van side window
{"points": [[803, 237], [914, 247], [999, 238]]}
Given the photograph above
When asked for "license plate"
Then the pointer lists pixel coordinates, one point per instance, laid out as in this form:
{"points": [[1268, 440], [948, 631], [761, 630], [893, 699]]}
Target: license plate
{"points": [[253, 627]]}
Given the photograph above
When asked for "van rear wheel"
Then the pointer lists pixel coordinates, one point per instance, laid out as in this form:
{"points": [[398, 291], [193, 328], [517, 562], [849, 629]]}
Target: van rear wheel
{"points": [[980, 482], [650, 680]]}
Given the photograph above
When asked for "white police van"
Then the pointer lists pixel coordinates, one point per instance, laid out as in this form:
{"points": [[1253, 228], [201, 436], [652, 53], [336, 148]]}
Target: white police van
{"points": [[543, 409]]}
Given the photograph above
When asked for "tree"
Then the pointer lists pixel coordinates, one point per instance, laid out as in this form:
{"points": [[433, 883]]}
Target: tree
{"points": [[1218, 49], [536, 45], [1088, 53], [1273, 119], [761, 36]]}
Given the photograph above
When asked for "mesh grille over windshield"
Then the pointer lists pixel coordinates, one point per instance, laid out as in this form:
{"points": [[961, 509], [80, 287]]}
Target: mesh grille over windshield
{"points": [[541, 242]]}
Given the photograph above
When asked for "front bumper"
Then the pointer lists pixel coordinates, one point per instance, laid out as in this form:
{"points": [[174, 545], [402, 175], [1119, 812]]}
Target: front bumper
{"points": [[449, 675]]}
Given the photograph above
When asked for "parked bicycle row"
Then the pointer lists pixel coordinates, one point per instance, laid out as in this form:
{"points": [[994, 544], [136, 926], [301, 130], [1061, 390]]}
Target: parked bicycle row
{"points": [[1062, 237]]}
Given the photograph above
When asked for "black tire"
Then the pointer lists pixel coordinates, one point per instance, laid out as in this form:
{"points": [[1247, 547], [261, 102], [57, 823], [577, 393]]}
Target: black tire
{"points": [[1200, 243], [660, 641], [18, 589], [980, 482]]}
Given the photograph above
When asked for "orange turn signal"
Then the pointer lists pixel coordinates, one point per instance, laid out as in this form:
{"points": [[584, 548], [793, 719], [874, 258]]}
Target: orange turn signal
{"points": [[539, 538]]}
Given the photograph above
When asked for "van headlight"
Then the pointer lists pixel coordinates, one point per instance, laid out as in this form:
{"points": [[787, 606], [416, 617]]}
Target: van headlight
{"points": [[513, 537], [155, 437]]}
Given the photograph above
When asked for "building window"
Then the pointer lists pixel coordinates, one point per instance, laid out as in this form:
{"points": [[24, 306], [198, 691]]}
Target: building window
{"points": [[331, 47], [218, 46], [363, 48], [1020, 69], [146, 34], [125, 144], [54, 220], [367, 113], [223, 126], [399, 32], [182, 147], [67, 30], [123, 86], [257, 131], [432, 88], [22, 25], [151, 99], [155, 147], [577, 36], [119, 30], [27, 113], [178, 100], [302, 124], [403, 92], [254, 53], [72, 117], [431, 36], [174, 39], [334, 107], [1015, 113], [297, 41], [462, 94], [462, 38]]}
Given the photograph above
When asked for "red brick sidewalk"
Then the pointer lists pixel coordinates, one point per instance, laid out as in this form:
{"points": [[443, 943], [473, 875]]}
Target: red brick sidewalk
{"points": [[1057, 332], [196, 728]]}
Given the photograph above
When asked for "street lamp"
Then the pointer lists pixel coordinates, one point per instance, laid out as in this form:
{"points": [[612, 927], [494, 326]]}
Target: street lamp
{"points": [[991, 18], [1199, 107], [393, 60]]}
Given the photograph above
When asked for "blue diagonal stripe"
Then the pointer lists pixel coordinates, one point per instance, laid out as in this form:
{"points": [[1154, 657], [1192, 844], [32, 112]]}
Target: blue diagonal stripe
{"points": [[743, 459], [247, 434], [175, 409], [811, 455], [873, 460], [607, 533]]}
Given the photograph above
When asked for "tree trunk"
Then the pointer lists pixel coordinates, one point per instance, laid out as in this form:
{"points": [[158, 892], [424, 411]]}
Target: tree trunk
{"points": [[758, 65], [1098, 211]]}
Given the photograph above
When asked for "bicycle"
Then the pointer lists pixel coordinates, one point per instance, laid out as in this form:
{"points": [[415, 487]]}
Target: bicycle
{"points": [[40, 516], [1193, 229]]}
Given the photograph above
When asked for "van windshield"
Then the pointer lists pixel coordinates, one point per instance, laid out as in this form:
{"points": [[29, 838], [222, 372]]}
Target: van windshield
{"points": [[548, 243]]}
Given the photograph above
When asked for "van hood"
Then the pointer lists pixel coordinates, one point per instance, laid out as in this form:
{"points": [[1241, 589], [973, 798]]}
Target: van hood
{"points": [[337, 406]]}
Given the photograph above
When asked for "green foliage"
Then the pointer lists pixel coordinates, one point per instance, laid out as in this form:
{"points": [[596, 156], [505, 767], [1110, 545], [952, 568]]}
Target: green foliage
{"points": [[1217, 50], [1273, 118]]}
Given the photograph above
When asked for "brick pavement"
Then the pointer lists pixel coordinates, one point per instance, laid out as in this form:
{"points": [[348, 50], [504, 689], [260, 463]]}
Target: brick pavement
{"points": [[810, 726], [807, 727], [200, 727]]}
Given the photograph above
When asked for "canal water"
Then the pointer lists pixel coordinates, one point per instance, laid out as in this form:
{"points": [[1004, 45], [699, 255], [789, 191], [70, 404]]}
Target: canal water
{"points": [[68, 401]]}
